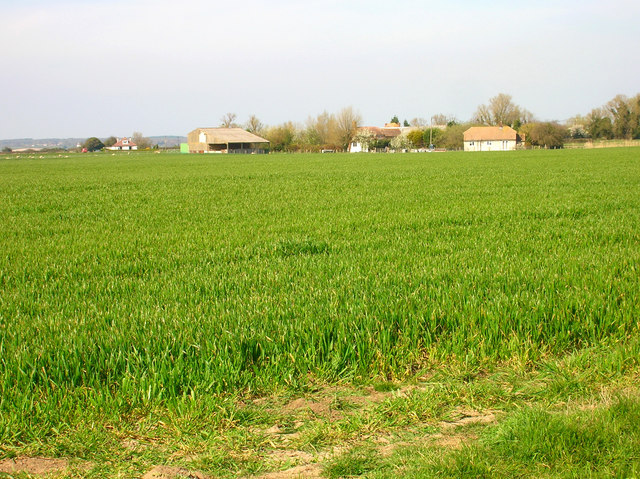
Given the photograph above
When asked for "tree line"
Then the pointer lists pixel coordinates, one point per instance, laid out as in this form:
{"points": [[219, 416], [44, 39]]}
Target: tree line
{"points": [[617, 119]]}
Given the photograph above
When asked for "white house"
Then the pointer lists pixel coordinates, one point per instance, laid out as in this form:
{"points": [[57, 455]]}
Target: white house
{"points": [[375, 137], [490, 138], [123, 144]]}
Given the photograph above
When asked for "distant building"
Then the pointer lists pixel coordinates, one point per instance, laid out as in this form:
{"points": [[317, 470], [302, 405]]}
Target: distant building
{"points": [[379, 137], [490, 138], [225, 140], [123, 144]]}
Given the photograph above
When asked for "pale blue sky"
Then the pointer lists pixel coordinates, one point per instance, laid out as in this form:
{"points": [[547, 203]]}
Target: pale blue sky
{"points": [[85, 68]]}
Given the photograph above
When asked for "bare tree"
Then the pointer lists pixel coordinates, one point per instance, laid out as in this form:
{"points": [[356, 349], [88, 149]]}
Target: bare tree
{"points": [[228, 120], [442, 119], [141, 141], [502, 111], [321, 131], [347, 121], [254, 125]]}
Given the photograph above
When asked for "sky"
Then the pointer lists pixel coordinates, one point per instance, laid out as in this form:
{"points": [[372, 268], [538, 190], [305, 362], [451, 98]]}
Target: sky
{"points": [[73, 68]]}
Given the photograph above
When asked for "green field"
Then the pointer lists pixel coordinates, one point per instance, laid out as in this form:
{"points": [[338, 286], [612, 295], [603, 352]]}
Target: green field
{"points": [[147, 289]]}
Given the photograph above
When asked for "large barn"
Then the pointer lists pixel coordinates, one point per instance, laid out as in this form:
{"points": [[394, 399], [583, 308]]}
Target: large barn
{"points": [[225, 140]]}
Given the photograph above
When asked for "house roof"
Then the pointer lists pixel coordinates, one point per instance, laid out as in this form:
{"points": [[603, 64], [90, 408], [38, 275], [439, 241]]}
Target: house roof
{"points": [[481, 133], [383, 132], [230, 135], [121, 141]]}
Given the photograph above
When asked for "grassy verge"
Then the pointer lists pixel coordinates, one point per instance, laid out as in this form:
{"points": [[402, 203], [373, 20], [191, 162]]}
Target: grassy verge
{"points": [[560, 418]]}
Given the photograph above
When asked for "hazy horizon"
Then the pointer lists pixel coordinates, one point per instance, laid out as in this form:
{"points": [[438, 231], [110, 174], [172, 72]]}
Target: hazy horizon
{"points": [[109, 67]]}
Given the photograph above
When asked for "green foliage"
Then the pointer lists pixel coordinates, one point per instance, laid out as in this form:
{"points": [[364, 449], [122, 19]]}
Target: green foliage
{"points": [[93, 144], [281, 137], [604, 442], [600, 128], [112, 140], [433, 136], [354, 463], [381, 143], [546, 135], [6, 149], [416, 137], [452, 137], [395, 119]]}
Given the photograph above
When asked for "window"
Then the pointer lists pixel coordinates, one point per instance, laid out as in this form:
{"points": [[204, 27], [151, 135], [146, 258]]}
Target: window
{"points": [[471, 143]]}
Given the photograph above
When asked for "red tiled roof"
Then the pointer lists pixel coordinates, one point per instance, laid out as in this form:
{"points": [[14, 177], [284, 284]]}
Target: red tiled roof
{"points": [[121, 140], [387, 132]]}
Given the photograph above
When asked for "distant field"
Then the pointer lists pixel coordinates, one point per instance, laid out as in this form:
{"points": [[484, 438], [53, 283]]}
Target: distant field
{"points": [[131, 283], [588, 143]]}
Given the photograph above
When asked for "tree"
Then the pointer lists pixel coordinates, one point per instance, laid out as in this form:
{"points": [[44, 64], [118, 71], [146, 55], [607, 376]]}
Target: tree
{"points": [[547, 134], [281, 137], [395, 120], [502, 111], [321, 132], [622, 116], [347, 121], [442, 119], [228, 120], [400, 142], [366, 138], [93, 144], [577, 127], [141, 141], [453, 137], [433, 136], [416, 137], [635, 110], [406, 123], [254, 125], [112, 140], [419, 122], [6, 149], [599, 125]]}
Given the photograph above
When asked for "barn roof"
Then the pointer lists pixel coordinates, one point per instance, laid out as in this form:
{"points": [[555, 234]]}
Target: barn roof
{"points": [[481, 133], [230, 135]]}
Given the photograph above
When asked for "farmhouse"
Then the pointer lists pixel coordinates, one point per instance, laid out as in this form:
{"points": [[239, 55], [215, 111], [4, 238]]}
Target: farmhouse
{"points": [[123, 144], [225, 140], [490, 138], [374, 138]]}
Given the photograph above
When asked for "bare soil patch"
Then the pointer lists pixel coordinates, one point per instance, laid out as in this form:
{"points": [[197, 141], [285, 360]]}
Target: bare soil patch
{"points": [[311, 471], [33, 465], [168, 472], [470, 417], [321, 408]]}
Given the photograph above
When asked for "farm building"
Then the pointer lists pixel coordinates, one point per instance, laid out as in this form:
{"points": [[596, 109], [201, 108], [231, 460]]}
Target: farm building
{"points": [[123, 144], [490, 138], [225, 140]]}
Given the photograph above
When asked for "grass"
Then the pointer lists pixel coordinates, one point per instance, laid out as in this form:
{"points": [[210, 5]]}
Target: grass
{"points": [[532, 442], [166, 288]]}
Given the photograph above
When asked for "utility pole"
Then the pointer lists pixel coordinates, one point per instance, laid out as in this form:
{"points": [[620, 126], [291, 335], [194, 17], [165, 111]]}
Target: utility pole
{"points": [[431, 135]]}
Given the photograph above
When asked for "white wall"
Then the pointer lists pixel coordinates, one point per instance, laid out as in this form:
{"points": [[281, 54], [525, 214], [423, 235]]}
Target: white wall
{"points": [[490, 145]]}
